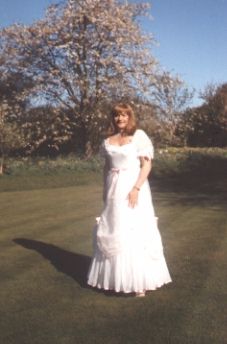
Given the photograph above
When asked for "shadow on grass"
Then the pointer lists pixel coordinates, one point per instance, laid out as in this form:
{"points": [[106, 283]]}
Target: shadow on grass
{"points": [[72, 264]]}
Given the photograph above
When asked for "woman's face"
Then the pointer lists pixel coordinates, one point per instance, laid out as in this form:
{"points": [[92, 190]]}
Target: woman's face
{"points": [[121, 120]]}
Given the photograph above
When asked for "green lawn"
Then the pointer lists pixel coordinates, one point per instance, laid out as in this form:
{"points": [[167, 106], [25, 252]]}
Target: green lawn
{"points": [[45, 239]]}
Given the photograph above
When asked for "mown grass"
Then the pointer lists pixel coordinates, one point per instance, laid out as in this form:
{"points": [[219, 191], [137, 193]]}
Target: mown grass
{"points": [[45, 250]]}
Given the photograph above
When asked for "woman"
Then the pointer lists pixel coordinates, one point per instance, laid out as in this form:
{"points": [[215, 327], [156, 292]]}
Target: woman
{"points": [[128, 253]]}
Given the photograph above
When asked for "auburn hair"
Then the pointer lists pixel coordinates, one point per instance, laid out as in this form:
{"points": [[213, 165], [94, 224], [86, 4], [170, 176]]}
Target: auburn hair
{"points": [[131, 126]]}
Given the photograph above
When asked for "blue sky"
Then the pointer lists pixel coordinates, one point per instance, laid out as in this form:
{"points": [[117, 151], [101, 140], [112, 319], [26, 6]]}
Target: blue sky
{"points": [[193, 39], [192, 35]]}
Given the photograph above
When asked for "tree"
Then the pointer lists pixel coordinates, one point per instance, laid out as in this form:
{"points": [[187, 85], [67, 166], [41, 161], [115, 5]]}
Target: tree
{"points": [[12, 104], [83, 54], [207, 124], [171, 96], [10, 138]]}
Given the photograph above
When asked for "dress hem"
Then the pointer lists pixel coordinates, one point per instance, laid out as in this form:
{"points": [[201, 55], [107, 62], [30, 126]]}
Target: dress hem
{"points": [[128, 291]]}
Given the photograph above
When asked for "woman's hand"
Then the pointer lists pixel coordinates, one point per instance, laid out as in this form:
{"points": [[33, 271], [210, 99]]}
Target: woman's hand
{"points": [[133, 197], [144, 172]]}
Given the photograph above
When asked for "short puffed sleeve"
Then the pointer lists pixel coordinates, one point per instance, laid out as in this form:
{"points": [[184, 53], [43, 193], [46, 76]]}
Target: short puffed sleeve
{"points": [[102, 149], [143, 144]]}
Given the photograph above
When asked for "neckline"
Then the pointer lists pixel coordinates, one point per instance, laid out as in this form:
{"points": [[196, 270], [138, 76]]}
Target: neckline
{"points": [[125, 144], [110, 144]]}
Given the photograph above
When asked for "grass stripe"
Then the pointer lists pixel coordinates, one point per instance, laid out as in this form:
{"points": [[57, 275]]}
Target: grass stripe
{"points": [[45, 241]]}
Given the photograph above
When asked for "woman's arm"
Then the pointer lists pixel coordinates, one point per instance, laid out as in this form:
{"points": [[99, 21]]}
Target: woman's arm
{"points": [[146, 165]]}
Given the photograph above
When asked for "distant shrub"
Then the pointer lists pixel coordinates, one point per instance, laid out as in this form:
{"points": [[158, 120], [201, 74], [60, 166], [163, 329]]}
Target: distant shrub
{"points": [[191, 161], [167, 161], [21, 166]]}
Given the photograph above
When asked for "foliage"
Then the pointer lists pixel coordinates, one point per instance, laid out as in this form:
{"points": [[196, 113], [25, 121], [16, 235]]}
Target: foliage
{"points": [[10, 138], [14, 87], [11, 135], [172, 158], [207, 125], [81, 57], [186, 168], [190, 161], [80, 54], [46, 129], [171, 97], [44, 165]]}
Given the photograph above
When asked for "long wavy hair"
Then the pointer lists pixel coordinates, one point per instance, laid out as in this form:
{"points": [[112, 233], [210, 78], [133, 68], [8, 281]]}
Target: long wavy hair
{"points": [[123, 108]]}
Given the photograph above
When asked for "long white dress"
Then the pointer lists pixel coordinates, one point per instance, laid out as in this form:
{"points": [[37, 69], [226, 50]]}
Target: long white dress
{"points": [[128, 251]]}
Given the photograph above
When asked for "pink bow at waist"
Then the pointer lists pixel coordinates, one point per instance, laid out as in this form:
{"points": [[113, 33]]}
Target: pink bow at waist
{"points": [[117, 170]]}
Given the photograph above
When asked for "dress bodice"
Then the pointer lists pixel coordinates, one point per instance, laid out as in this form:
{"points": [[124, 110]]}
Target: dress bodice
{"points": [[122, 157], [127, 155]]}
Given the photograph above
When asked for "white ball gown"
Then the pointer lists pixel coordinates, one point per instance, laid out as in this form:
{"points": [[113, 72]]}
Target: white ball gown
{"points": [[128, 251]]}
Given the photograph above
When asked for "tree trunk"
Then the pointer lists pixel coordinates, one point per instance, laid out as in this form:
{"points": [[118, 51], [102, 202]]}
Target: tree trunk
{"points": [[1, 165], [88, 150]]}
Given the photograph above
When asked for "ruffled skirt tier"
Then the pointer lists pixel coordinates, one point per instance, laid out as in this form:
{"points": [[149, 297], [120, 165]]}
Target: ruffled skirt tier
{"points": [[128, 272]]}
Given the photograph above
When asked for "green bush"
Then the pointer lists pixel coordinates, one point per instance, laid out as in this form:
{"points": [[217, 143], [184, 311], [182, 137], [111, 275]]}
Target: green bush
{"points": [[43, 166], [190, 168], [172, 161]]}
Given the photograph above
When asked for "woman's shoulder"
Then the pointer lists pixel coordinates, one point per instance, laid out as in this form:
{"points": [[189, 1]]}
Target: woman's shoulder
{"points": [[140, 133], [141, 138], [143, 144]]}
